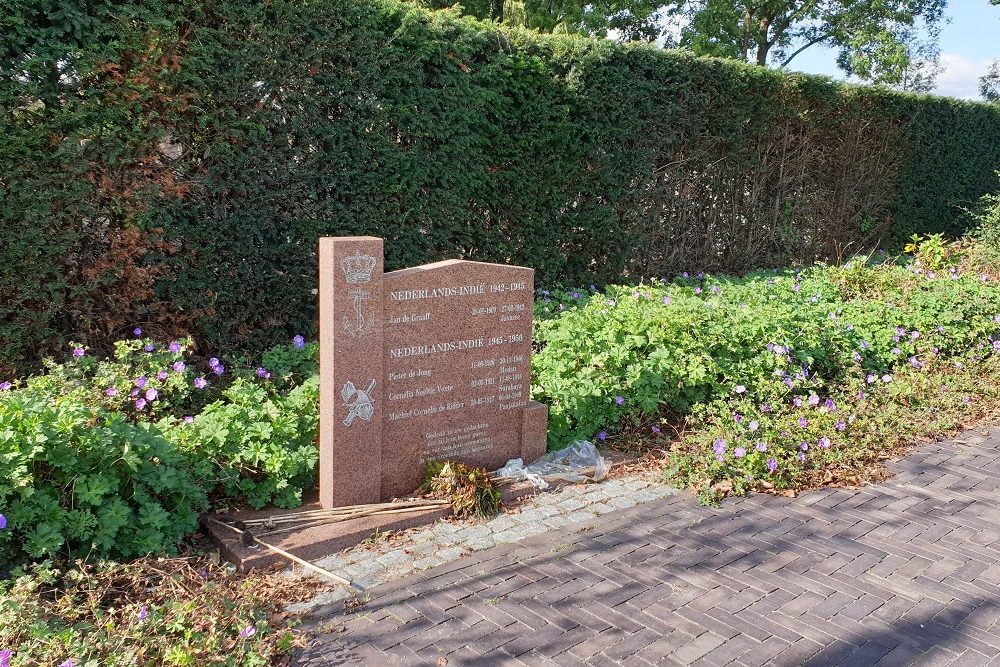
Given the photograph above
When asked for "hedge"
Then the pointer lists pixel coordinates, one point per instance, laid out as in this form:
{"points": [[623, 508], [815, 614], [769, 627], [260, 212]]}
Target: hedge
{"points": [[171, 164]]}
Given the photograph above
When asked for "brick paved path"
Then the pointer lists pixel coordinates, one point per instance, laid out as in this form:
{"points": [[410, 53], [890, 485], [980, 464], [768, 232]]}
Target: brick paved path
{"points": [[907, 572]]}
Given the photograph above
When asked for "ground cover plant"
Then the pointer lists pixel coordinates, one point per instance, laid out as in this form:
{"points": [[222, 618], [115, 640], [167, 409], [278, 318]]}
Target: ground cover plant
{"points": [[779, 380], [153, 611], [117, 458]]}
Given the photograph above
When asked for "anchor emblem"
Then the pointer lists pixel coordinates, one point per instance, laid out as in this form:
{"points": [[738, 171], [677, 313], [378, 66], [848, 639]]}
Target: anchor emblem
{"points": [[362, 324], [363, 405]]}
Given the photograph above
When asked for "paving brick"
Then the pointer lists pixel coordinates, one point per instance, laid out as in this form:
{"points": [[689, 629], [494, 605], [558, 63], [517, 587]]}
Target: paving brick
{"points": [[906, 572]]}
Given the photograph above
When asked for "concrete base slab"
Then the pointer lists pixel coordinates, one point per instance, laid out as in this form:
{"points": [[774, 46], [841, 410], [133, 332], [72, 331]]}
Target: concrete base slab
{"points": [[308, 543]]}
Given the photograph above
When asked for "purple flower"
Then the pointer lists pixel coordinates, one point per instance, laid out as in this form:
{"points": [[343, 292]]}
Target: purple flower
{"points": [[5, 657], [803, 422], [143, 613], [753, 425], [915, 362], [697, 290], [111, 391], [685, 274], [151, 394], [804, 446], [140, 403], [813, 400], [3, 522], [161, 375], [134, 392], [796, 287], [656, 429], [797, 402], [788, 382], [219, 370], [966, 399], [200, 383], [767, 407], [739, 452], [772, 465], [300, 342], [263, 373], [666, 301], [149, 347], [870, 378], [739, 389], [824, 442], [189, 420], [141, 381], [802, 456], [857, 357], [864, 345], [603, 435], [79, 352], [737, 417], [719, 448], [4, 386], [914, 335], [174, 347], [213, 362], [137, 332], [761, 446], [68, 662], [619, 400], [840, 426], [887, 378], [179, 366]]}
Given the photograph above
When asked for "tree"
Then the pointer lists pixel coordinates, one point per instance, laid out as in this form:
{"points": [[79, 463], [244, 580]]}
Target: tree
{"points": [[989, 83], [878, 40], [629, 20]]}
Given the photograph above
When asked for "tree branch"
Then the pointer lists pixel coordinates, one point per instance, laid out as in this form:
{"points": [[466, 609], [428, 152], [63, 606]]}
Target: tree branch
{"points": [[802, 48]]}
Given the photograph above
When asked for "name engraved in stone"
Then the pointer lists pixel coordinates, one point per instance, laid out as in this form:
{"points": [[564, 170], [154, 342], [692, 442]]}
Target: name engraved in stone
{"points": [[411, 374], [421, 393], [408, 319]]}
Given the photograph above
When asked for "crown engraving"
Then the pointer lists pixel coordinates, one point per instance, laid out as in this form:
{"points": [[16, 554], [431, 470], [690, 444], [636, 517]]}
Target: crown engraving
{"points": [[358, 268]]}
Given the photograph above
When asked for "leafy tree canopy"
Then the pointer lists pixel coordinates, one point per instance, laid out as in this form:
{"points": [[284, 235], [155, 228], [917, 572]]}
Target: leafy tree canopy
{"points": [[989, 83], [878, 40]]}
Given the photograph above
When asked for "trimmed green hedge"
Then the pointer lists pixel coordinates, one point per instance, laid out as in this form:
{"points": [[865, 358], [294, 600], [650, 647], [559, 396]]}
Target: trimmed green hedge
{"points": [[172, 163]]}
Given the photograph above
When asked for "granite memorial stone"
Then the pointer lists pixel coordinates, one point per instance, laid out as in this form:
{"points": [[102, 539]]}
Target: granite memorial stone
{"points": [[426, 363]]}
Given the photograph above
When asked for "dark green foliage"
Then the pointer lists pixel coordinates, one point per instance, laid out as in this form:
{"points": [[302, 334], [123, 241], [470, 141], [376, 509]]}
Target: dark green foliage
{"points": [[171, 164], [117, 458], [78, 482]]}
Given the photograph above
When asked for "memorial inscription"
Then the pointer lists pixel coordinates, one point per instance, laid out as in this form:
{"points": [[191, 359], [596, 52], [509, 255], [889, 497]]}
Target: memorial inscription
{"points": [[429, 363]]}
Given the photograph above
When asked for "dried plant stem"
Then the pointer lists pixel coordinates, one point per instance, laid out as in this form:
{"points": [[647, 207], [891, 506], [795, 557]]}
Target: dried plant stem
{"points": [[295, 559]]}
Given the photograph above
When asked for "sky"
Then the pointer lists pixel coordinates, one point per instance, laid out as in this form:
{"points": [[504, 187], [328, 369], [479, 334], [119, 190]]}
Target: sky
{"points": [[969, 43]]}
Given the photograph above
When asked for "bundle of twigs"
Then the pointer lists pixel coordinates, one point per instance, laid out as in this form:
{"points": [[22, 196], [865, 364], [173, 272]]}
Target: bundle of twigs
{"points": [[283, 523]]}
